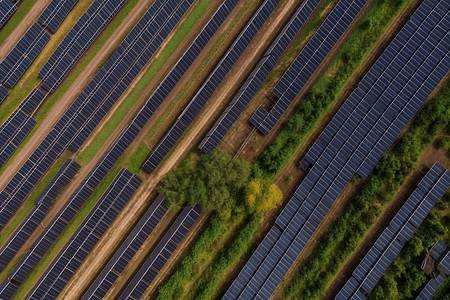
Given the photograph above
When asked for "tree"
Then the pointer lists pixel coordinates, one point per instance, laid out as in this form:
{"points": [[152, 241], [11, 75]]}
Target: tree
{"points": [[210, 181], [262, 195]]}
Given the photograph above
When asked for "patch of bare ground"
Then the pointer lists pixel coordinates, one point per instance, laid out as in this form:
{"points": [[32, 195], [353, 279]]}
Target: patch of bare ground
{"points": [[74, 90], [31, 17]]}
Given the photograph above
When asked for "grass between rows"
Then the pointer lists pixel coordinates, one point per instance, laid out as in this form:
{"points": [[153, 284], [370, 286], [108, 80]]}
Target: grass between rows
{"points": [[86, 155], [65, 236], [329, 87], [143, 151], [22, 92], [21, 12], [6, 232]]}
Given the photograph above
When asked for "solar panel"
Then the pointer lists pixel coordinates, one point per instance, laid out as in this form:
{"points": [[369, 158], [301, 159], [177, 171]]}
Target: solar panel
{"points": [[7, 9]]}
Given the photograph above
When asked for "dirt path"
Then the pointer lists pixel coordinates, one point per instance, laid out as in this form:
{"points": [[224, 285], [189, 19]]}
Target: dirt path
{"points": [[60, 107], [22, 27], [66, 100], [429, 157]]}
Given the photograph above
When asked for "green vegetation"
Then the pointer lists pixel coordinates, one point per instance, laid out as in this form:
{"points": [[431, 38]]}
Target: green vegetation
{"points": [[329, 87], [209, 182], [65, 236], [240, 204], [23, 9], [86, 155], [443, 293], [343, 238], [81, 65], [6, 232]]}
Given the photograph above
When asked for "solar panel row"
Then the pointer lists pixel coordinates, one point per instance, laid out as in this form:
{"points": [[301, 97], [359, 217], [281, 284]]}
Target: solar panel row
{"points": [[3, 93], [7, 9], [183, 64], [438, 250], [394, 237], [161, 253], [127, 250], [58, 139], [87, 235], [55, 13], [430, 289], [18, 125], [387, 65], [335, 167], [256, 78], [23, 54], [444, 265], [213, 81], [77, 41], [126, 63], [33, 219], [309, 60], [37, 214]]}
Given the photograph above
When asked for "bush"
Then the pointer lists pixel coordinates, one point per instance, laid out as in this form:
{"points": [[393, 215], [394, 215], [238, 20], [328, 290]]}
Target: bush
{"points": [[262, 195]]}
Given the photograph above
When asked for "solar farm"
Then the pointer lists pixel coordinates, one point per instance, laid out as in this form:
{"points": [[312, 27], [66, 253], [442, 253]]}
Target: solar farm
{"points": [[230, 149]]}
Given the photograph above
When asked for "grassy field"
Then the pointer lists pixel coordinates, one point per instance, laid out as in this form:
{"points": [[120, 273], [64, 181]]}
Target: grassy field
{"points": [[86, 155], [15, 19], [85, 60]]}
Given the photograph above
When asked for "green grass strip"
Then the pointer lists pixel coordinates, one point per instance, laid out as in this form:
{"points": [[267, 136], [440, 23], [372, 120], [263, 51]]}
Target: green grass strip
{"points": [[329, 87], [65, 236], [29, 204], [23, 9], [86, 155], [82, 64]]}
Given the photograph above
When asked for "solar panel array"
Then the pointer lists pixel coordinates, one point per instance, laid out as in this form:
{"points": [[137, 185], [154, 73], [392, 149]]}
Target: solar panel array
{"points": [[37, 214], [58, 139], [444, 265], [342, 157], [87, 235], [23, 54], [127, 250], [257, 77], [18, 126], [309, 59], [7, 9], [161, 253], [213, 81], [430, 289], [125, 64], [439, 250], [55, 13], [418, 41], [77, 41], [394, 237], [3, 93]]}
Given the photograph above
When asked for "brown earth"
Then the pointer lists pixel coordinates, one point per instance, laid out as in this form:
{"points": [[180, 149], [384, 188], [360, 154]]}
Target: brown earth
{"points": [[60, 107], [31, 17]]}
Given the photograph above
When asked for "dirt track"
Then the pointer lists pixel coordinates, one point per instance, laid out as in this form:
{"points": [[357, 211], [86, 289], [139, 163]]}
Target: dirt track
{"points": [[22, 27], [61, 106]]}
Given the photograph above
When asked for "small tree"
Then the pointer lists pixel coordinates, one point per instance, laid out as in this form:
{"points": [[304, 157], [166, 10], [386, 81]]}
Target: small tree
{"points": [[262, 195]]}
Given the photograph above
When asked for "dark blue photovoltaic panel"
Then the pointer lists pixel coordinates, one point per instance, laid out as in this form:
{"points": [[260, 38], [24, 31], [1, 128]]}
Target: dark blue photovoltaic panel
{"points": [[211, 84], [87, 235], [22, 55], [309, 60], [78, 40], [395, 236], [88, 105], [3, 93], [55, 13], [127, 250], [162, 252], [256, 79], [365, 122], [37, 214], [7, 9], [430, 289]]}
